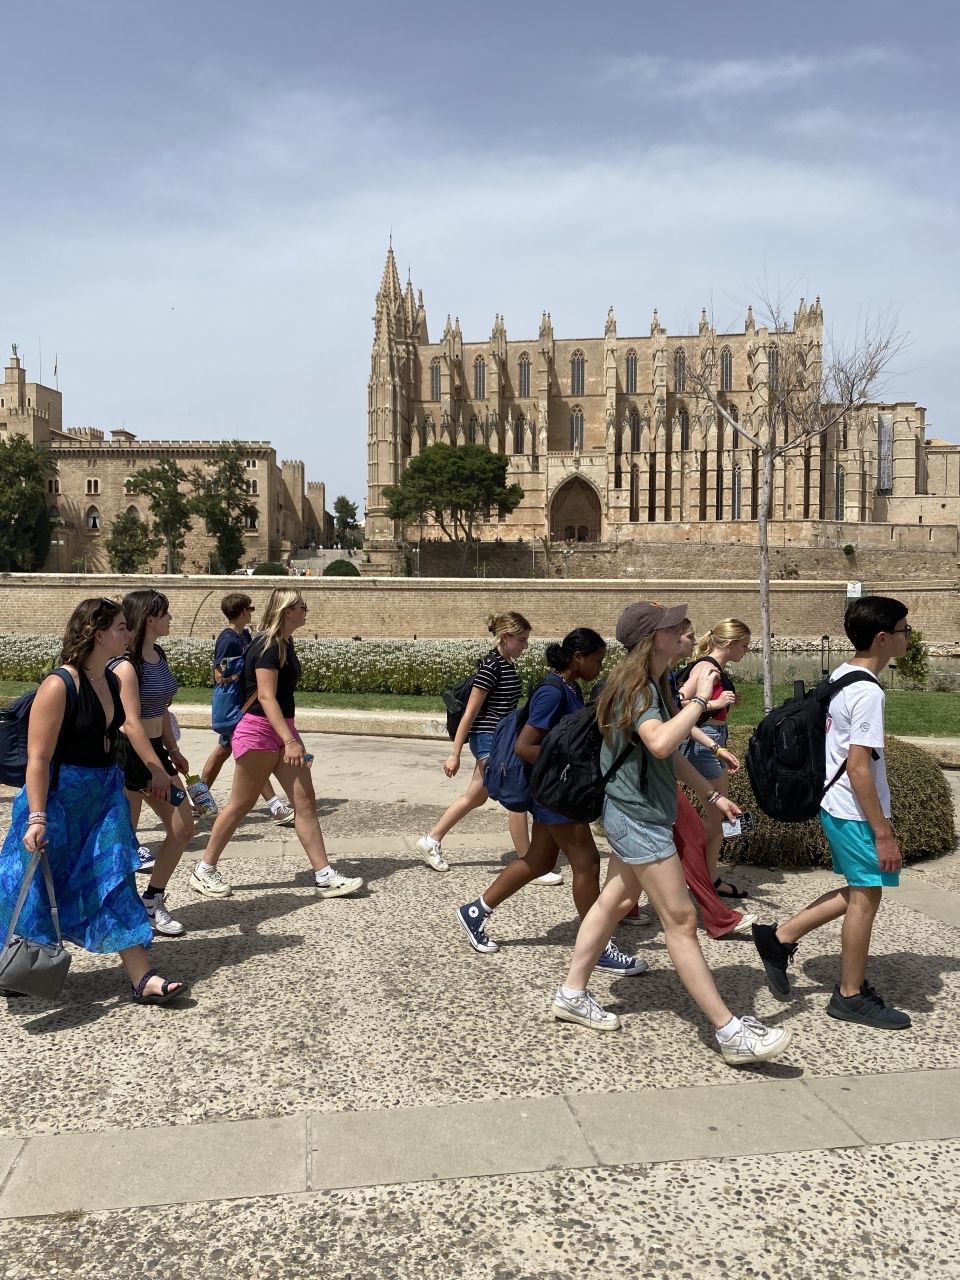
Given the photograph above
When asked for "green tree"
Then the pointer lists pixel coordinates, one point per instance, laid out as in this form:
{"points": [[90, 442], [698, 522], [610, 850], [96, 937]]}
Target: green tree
{"points": [[221, 499], [24, 521], [458, 487], [345, 522], [131, 544], [170, 506], [341, 569], [915, 663]]}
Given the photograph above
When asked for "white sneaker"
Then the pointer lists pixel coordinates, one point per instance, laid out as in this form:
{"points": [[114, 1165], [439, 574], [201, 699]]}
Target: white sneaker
{"points": [[585, 1011], [431, 852], [208, 881], [743, 926], [282, 814], [755, 1043], [161, 921], [551, 878], [337, 886]]}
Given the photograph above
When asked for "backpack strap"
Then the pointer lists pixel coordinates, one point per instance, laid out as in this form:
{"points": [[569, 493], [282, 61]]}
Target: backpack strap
{"points": [[835, 687]]}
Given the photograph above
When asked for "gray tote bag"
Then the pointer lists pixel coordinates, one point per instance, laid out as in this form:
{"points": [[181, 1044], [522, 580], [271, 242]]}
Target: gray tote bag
{"points": [[34, 968]]}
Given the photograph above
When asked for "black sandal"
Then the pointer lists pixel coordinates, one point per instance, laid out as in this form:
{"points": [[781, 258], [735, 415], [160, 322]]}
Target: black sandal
{"points": [[732, 892], [166, 994]]}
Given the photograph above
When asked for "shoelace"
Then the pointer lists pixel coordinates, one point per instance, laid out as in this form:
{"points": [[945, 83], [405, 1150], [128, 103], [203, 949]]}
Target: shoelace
{"points": [[594, 1010], [869, 993], [755, 1030], [618, 956]]}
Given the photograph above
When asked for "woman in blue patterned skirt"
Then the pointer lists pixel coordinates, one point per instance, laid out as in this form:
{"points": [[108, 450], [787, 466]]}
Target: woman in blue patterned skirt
{"points": [[74, 805]]}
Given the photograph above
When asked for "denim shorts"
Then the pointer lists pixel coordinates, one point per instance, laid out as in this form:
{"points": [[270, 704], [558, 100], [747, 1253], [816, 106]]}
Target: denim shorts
{"points": [[853, 852], [635, 843], [480, 744], [701, 757]]}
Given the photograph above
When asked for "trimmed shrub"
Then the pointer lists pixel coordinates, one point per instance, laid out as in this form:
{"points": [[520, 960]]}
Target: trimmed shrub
{"points": [[921, 803], [341, 569], [849, 549], [915, 664], [270, 569]]}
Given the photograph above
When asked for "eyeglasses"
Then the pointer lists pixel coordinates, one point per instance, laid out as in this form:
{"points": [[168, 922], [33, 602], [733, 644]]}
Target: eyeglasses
{"points": [[905, 630], [110, 604]]}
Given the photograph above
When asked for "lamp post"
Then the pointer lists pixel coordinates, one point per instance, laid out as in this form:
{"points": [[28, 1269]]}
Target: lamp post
{"points": [[825, 656]]}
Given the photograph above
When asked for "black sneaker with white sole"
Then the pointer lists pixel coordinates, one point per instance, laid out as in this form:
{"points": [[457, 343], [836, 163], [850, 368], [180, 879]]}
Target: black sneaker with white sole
{"points": [[776, 955], [474, 920], [868, 1009]]}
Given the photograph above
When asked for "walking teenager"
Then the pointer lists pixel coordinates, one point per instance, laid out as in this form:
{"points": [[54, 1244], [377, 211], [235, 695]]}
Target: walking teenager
{"points": [[153, 759], [855, 815], [73, 804], [725, 642], [495, 693], [266, 741], [638, 814], [579, 657], [232, 643]]}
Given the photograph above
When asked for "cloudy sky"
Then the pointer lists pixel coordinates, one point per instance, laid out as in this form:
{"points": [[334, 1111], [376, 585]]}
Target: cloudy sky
{"points": [[198, 195]]}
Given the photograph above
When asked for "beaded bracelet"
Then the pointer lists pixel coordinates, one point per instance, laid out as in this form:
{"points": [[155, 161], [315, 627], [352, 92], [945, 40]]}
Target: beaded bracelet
{"points": [[713, 797], [37, 816], [696, 698]]}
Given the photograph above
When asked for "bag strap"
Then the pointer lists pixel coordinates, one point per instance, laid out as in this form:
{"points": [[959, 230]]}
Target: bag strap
{"points": [[38, 859], [835, 686]]}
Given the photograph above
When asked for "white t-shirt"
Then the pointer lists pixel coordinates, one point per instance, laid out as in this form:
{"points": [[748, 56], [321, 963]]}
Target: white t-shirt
{"points": [[855, 719]]}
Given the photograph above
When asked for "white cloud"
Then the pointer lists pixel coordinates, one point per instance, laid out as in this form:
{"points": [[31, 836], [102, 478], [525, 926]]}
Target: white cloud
{"points": [[700, 79]]}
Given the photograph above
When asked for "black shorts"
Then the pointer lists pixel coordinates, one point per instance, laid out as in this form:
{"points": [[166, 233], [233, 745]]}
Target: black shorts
{"points": [[136, 775]]}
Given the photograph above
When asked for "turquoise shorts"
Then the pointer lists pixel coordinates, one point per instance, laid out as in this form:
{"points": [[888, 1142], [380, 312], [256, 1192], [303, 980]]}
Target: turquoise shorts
{"points": [[854, 852]]}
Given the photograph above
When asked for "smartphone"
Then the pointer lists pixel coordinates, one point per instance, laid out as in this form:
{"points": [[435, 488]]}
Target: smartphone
{"points": [[177, 796], [738, 827], [308, 759]]}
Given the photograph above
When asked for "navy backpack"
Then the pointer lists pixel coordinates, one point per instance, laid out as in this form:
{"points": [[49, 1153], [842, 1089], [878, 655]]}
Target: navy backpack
{"points": [[14, 723]]}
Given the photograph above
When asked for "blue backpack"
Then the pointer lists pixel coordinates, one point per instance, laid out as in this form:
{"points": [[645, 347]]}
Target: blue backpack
{"points": [[227, 704], [507, 777], [14, 723]]}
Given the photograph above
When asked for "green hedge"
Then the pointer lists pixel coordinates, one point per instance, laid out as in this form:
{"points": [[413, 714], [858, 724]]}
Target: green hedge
{"points": [[341, 569], [329, 666], [920, 799]]}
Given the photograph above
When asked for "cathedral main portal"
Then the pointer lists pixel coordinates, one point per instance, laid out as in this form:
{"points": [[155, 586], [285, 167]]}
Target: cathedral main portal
{"points": [[575, 512]]}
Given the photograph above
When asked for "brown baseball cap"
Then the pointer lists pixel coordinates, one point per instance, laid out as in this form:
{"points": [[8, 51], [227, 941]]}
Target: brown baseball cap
{"points": [[645, 617]]}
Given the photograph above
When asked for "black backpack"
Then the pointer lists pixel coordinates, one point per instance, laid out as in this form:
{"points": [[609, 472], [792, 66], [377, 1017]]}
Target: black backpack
{"points": [[455, 701], [567, 777], [14, 722], [683, 676], [786, 756]]}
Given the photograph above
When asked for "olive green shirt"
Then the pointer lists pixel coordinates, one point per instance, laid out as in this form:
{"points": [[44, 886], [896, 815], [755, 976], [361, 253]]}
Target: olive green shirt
{"points": [[657, 804]]}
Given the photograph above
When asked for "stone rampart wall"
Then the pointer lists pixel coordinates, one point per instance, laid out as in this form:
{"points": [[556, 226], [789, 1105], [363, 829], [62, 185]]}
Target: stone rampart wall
{"points": [[428, 607]]}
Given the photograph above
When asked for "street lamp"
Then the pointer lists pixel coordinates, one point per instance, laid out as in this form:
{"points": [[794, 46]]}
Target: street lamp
{"points": [[825, 656]]}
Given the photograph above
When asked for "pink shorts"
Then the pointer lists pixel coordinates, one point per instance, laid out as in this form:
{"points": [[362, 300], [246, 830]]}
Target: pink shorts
{"points": [[255, 733]]}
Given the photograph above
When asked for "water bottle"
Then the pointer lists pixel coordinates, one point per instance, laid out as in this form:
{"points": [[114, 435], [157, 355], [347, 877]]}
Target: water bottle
{"points": [[201, 796]]}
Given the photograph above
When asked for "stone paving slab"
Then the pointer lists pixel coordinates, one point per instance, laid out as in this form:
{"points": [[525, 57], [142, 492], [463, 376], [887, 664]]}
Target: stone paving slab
{"points": [[171, 1165], [362, 1148], [906, 1106], [10, 1148]]}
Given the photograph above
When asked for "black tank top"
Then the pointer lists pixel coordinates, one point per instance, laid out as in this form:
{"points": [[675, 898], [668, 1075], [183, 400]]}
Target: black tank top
{"points": [[86, 739]]}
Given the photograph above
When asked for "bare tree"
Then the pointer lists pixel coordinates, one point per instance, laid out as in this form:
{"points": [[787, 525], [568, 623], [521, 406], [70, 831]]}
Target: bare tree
{"points": [[801, 387]]}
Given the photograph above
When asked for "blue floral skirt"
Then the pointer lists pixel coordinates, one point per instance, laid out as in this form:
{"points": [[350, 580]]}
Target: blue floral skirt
{"points": [[92, 850]]}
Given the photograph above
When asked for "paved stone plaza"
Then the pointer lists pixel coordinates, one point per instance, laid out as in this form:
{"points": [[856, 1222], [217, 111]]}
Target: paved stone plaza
{"points": [[355, 1093]]}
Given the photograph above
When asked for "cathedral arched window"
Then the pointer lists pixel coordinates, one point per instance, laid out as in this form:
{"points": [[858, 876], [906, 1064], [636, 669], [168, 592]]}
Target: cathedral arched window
{"points": [[631, 372], [734, 412], [479, 379], [684, 420], [726, 369], [841, 508], [736, 495], [251, 487], [634, 494], [773, 368], [251, 523], [679, 370], [53, 486], [93, 485], [576, 428], [634, 430], [54, 514], [93, 520], [524, 376], [577, 366], [133, 511], [435, 378], [519, 434], [129, 486]]}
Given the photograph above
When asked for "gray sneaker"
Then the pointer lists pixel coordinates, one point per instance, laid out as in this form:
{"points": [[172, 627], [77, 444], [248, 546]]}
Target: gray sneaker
{"points": [[161, 921], [585, 1011], [867, 1009], [283, 815]]}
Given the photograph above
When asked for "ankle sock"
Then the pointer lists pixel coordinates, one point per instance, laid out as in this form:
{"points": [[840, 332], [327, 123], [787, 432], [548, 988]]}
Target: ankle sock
{"points": [[152, 891], [487, 911], [569, 993], [321, 877], [274, 804], [729, 1031]]}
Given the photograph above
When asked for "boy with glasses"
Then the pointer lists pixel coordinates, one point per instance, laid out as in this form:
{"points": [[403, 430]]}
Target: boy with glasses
{"points": [[232, 642], [855, 815]]}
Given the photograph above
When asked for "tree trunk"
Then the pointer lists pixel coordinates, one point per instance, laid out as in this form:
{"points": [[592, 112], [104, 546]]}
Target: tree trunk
{"points": [[766, 490]]}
